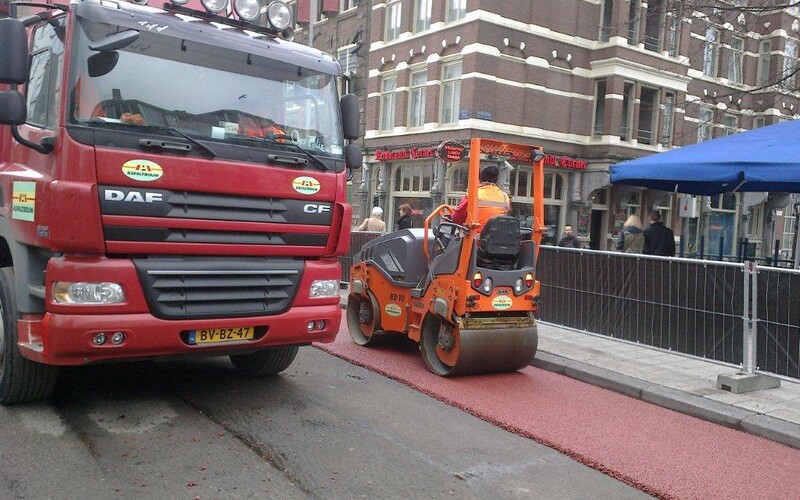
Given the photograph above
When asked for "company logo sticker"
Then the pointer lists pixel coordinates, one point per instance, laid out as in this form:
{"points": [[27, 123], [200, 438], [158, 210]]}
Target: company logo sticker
{"points": [[142, 170], [23, 201], [501, 302], [306, 185], [393, 310]]}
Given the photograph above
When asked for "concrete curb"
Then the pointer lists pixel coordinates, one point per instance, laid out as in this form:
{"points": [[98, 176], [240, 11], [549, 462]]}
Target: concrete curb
{"points": [[748, 421]]}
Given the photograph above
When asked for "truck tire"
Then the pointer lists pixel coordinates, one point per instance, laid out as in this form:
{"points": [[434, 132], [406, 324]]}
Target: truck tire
{"points": [[21, 380], [265, 363]]}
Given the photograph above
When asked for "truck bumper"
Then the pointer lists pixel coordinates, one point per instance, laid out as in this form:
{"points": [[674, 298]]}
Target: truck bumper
{"points": [[68, 339]]}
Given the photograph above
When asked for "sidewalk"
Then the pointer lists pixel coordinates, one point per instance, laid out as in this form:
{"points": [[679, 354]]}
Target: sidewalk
{"points": [[675, 381]]}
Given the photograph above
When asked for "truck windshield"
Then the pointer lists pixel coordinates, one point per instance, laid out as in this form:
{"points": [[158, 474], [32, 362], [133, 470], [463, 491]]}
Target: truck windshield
{"points": [[214, 94]]}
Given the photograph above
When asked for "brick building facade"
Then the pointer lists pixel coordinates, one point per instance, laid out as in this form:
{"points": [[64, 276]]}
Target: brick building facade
{"points": [[592, 81]]}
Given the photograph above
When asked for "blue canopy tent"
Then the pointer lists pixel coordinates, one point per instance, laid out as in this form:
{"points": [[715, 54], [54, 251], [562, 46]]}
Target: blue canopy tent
{"points": [[764, 159]]}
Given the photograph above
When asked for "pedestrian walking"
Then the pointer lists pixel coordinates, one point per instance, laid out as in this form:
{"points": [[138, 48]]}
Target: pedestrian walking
{"points": [[374, 222], [631, 238], [658, 238], [404, 222], [569, 240]]}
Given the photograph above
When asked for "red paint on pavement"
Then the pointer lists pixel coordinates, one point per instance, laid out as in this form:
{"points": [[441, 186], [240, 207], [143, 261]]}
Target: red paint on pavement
{"points": [[660, 451]]}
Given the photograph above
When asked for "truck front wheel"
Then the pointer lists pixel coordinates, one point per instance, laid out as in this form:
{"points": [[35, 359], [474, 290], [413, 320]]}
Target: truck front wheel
{"points": [[21, 380], [267, 362]]}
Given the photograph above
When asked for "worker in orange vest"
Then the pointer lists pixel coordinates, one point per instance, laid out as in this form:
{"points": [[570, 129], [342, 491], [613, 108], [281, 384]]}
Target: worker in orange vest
{"points": [[492, 201]]}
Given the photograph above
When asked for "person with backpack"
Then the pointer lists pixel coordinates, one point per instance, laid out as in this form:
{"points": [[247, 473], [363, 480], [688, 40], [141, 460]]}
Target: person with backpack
{"points": [[631, 238]]}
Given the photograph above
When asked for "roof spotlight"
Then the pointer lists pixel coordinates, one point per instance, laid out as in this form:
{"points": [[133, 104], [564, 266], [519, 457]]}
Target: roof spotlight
{"points": [[215, 6], [279, 15], [247, 9]]}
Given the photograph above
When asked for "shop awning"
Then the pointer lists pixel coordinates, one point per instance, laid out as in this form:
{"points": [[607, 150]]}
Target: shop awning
{"points": [[765, 159]]}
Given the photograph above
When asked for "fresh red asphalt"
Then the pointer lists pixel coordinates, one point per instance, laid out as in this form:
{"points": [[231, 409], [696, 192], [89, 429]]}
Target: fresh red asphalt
{"points": [[659, 451]]}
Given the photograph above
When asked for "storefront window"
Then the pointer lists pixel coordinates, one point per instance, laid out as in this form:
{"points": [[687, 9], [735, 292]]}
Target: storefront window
{"points": [[522, 200], [412, 185], [722, 224]]}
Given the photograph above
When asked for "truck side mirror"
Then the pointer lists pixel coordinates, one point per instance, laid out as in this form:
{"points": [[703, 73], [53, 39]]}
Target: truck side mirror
{"points": [[13, 109], [352, 156], [14, 65], [350, 122], [102, 63]]}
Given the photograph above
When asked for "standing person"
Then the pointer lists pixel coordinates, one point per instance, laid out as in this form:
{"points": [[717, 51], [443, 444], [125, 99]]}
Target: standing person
{"points": [[658, 238], [404, 222], [631, 238], [569, 239], [374, 222], [492, 201]]}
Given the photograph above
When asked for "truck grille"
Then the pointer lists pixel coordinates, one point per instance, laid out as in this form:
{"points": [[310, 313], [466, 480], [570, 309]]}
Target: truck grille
{"points": [[216, 287], [169, 206]]}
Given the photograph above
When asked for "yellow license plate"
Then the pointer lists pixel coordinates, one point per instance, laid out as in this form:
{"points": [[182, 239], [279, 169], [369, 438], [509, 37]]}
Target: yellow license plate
{"points": [[213, 335]]}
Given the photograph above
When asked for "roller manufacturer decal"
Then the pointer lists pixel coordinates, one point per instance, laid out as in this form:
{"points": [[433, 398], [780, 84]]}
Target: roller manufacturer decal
{"points": [[142, 170], [306, 185], [501, 302], [23, 201], [393, 310]]}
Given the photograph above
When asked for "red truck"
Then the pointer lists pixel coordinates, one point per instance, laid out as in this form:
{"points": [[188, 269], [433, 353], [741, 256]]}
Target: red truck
{"points": [[172, 183]]}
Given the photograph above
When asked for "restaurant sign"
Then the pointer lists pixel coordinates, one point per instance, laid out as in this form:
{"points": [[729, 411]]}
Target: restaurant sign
{"points": [[564, 161], [404, 154]]}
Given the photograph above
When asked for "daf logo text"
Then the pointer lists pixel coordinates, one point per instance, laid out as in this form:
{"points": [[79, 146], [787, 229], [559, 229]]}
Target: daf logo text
{"points": [[133, 196]]}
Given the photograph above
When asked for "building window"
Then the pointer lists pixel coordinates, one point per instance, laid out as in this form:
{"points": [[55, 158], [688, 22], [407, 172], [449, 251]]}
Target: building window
{"points": [[422, 17], [554, 200], [412, 185], [388, 88], [347, 5], [633, 22], [393, 17], [633, 204], [722, 223], [605, 28], [648, 115], [789, 65], [668, 118], [664, 207], [673, 32], [627, 111], [735, 62], [347, 59], [456, 9], [450, 92], [763, 62], [654, 25], [710, 52], [730, 125], [599, 108], [758, 122], [789, 225], [416, 112], [704, 127]]}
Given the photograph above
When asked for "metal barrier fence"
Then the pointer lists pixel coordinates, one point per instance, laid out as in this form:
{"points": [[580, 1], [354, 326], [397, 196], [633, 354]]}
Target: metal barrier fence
{"points": [[778, 326], [357, 240], [696, 307]]}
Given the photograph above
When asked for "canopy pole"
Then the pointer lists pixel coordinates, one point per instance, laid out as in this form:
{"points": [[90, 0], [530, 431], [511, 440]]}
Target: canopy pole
{"points": [[796, 236]]}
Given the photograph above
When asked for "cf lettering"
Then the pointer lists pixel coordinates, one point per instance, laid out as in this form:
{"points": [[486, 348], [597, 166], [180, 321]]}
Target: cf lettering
{"points": [[313, 208]]}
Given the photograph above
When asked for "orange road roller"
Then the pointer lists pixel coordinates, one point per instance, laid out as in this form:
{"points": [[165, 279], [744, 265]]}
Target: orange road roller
{"points": [[466, 293]]}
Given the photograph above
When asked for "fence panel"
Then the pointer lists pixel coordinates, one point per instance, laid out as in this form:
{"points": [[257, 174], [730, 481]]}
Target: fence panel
{"points": [[357, 240], [778, 309], [690, 306]]}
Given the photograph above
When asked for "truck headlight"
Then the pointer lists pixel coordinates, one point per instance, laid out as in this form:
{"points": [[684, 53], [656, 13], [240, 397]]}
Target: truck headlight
{"points": [[324, 288], [67, 292]]}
